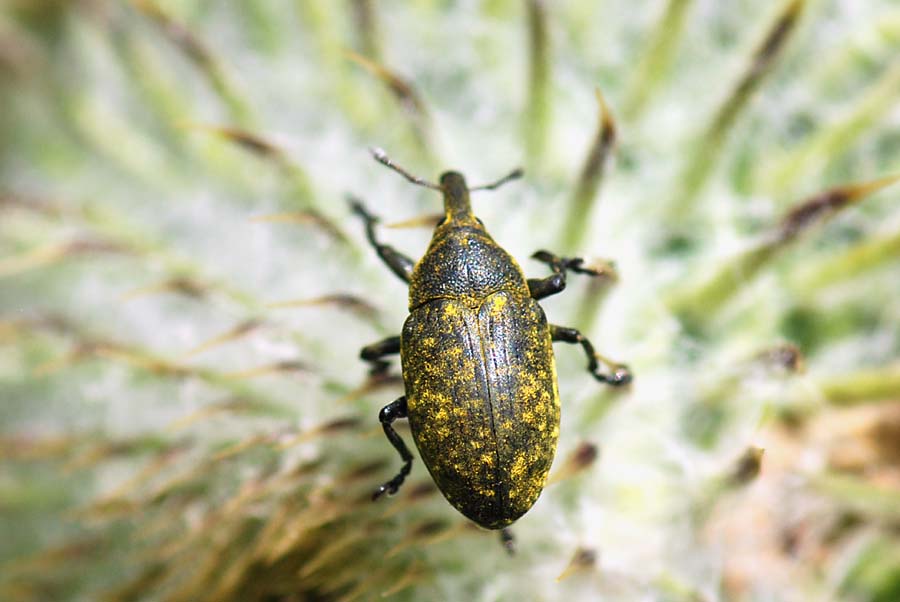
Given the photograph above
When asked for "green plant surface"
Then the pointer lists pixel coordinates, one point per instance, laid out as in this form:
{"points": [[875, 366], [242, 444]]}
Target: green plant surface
{"points": [[184, 291]]}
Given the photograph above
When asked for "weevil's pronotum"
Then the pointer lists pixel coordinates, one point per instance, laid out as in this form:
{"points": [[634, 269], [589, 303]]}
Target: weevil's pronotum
{"points": [[477, 360]]}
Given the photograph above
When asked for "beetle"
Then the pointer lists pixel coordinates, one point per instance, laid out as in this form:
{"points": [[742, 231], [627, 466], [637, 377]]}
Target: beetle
{"points": [[477, 361]]}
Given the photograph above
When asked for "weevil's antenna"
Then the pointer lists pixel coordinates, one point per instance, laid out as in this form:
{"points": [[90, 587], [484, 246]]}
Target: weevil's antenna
{"points": [[382, 158], [513, 175]]}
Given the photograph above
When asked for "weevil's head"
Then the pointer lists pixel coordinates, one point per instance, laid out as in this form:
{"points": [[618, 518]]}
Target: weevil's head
{"points": [[457, 206]]}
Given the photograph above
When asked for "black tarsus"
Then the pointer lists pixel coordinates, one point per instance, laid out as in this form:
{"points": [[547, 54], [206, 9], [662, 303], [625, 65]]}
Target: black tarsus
{"points": [[398, 263], [508, 540], [388, 414], [620, 375]]}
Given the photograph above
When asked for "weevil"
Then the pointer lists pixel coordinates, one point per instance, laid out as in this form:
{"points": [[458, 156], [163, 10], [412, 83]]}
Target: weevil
{"points": [[477, 361]]}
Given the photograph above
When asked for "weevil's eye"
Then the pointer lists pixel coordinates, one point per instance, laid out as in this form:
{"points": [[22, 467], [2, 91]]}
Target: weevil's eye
{"points": [[481, 223], [442, 222]]}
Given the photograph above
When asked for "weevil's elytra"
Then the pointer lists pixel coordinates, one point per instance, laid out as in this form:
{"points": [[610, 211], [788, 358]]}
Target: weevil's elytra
{"points": [[477, 360], [482, 401]]}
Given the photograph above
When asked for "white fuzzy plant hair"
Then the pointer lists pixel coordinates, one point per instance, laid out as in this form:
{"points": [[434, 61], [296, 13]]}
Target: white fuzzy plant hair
{"points": [[184, 292]]}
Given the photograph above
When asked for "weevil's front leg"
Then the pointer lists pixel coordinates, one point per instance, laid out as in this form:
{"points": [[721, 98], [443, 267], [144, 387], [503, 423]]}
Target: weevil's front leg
{"points": [[620, 374], [375, 353], [544, 287], [398, 263], [388, 414]]}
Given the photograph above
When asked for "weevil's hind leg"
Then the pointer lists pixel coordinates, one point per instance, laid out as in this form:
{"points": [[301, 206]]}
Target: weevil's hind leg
{"points": [[398, 263], [375, 353], [390, 413], [556, 283], [508, 540], [620, 374]]}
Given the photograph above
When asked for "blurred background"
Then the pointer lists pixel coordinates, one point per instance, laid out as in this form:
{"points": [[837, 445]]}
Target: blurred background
{"points": [[184, 293]]}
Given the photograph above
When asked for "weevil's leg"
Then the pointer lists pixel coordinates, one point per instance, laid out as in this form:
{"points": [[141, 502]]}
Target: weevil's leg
{"points": [[508, 540], [376, 351], [620, 374], [544, 287], [388, 414], [398, 263]]}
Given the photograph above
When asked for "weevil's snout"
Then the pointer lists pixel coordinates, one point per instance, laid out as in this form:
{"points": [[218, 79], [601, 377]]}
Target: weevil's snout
{"points": [[453, 180], [456, 198]]}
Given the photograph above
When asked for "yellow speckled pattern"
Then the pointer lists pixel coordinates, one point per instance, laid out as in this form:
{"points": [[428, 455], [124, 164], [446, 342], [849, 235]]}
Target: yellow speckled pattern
{"points": [[480, 379]]}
